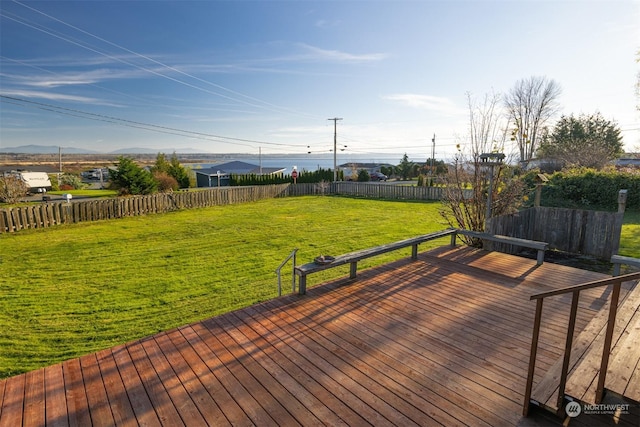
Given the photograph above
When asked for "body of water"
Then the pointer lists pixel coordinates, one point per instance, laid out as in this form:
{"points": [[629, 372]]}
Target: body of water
{"points": [[309, 163]]}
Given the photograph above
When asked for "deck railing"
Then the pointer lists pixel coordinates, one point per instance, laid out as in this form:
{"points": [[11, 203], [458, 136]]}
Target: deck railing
{"points": [[606, 350], [291, 256]]}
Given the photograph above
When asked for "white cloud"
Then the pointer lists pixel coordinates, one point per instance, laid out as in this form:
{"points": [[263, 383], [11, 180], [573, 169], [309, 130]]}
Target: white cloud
{"points": [[323, 23], [426, 102], [316, 53], [51, 96]]}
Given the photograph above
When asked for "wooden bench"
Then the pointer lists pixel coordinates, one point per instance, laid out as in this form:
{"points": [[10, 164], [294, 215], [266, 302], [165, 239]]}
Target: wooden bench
{"points": [[302, 271], [618, 260], [541, 247]]}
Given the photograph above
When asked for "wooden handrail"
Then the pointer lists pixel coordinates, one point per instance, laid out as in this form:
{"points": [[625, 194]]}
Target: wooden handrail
{"points": [[606, 350], [588, 285]]}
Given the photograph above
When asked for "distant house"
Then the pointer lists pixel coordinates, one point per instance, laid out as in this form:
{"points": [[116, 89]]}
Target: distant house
{"points": [[351, 169], [544, 165], [628, 162], [220, 175]]}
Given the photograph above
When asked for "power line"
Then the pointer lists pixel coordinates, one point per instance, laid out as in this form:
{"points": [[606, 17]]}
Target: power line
{"points": [[139, 125]]}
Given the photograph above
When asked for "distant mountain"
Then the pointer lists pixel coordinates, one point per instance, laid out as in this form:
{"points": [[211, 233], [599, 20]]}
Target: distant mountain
{"points": [[44, 149], [135, 150], [53, 149]]}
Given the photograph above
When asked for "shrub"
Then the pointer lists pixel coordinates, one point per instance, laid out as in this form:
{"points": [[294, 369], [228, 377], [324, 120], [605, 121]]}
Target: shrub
{"points": [[12, 188], [584, 187], [166, 183], [70, 182], [363, 176]]}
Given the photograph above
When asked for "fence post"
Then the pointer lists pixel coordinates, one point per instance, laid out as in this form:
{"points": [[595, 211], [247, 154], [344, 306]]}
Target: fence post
{"points": [[622, 200]]}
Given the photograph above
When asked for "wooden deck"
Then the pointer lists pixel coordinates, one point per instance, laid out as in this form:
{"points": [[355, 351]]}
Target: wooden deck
{"points": [[442, 341]]}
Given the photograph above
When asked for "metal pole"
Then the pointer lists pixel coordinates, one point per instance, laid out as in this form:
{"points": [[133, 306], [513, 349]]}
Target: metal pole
{"points": [[608, 337], [532, 356], [335, 147], [433, 155], [489, 196]]}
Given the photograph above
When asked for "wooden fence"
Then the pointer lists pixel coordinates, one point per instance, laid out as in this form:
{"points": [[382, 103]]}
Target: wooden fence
{"points": [[370, 190], [54, 213], [593, 233]]}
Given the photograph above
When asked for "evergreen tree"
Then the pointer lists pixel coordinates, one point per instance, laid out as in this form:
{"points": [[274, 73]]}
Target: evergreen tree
{"points": [[179, 172], [129, 178], [587, 140]]}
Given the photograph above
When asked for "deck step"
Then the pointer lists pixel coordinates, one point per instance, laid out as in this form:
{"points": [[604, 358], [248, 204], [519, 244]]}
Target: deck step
{"points": [[585, 354], [623, 375], [583, 380]]}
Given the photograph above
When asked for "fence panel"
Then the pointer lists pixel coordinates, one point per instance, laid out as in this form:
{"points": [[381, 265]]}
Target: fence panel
{"points": [[593, 233]]}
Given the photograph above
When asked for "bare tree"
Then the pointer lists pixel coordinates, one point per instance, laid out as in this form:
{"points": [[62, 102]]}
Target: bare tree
{"points": [[530, 104], [468, 180], [487, 130]]}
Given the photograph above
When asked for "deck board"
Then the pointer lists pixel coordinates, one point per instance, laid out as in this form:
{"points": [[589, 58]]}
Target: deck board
{"points": [[625, 361], [135, 389], [56, 401], [34, 398], [12, 405], [442, 341], [96, 393], [119, 403]]}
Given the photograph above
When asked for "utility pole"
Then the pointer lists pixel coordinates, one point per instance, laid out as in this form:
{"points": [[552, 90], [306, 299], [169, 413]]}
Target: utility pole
{"points": [[433, 156], [335, 146]]}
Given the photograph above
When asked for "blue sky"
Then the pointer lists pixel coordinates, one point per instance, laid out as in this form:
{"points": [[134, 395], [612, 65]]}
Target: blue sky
{"points": [[243, 76]]}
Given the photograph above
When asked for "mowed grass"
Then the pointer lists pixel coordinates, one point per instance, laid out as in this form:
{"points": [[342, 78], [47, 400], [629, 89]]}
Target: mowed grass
{"points": [[71, 290], [630, 236]]}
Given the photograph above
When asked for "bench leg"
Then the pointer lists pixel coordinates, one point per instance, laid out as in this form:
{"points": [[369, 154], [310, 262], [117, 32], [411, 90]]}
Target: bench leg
{"points": [[353, 270], [453, 239], [540, 256], [616, 269], [414, 252], [302, 288]]}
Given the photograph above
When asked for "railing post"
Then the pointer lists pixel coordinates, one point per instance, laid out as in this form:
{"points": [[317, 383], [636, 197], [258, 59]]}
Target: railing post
{"points": [[292, 255], [606, 348], [567, 347], [293, 273], [532, 356]]}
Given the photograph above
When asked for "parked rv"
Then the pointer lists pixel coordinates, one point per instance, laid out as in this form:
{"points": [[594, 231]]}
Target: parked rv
{"points": [[38, 182]]}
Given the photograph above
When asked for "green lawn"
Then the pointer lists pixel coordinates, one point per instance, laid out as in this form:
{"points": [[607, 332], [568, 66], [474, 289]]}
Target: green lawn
{"points": [[630, 238], [71, 290], [87, 193]]}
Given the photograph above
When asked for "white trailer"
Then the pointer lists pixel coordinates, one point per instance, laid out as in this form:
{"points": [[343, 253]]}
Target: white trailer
{"points": [[38, 182]]}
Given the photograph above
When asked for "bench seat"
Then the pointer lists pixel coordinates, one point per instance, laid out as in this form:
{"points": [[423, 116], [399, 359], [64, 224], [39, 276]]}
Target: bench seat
{"points": [[618, 260], [541, 247], [352, 258]]}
